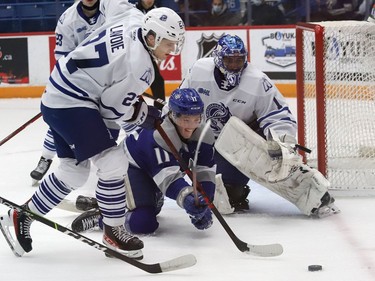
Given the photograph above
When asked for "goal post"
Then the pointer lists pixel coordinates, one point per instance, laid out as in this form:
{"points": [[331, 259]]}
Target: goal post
{"points": [[336, 102]]}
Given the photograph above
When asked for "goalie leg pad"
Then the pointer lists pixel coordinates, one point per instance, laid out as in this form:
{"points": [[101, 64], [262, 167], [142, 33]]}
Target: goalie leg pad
{"points": [[221, 199], [244, 149], [304, 188], [248, 152]]}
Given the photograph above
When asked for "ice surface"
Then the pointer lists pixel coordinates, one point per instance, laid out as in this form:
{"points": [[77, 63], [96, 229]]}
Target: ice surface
{"points": [[343, 244]]}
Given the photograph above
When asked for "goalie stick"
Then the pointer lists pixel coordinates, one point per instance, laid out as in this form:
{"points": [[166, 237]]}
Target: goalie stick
{"points": [[170, 265], [269, 250]]}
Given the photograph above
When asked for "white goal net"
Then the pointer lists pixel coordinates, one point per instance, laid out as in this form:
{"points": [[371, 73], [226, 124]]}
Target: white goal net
{"points": [[336, 102]]}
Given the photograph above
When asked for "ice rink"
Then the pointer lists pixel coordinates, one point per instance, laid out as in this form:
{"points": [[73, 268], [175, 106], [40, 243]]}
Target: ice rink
{"points": [[343, 244]]}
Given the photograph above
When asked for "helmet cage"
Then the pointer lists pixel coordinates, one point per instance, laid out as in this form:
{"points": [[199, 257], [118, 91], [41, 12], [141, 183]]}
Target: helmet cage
{"points": [[228, 46]]}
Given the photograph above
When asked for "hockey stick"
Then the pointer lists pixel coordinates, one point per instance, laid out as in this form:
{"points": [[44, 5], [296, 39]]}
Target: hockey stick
{"points": [[269, 250], [69, 205], [193, 164], [170, 265], [80, 205], [20, 128]]}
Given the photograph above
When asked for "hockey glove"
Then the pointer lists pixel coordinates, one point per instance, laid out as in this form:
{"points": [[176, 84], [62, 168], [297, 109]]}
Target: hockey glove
{"points": [[200, 214], [153, 115], [144, 115], [284, 157]]}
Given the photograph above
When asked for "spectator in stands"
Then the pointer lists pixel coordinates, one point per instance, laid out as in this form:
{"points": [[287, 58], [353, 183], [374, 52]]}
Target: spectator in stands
{"points": [[337, 10], [171, 4], [145, 5], [264, 14], [195, 12], [219, 15], [158, 86]]}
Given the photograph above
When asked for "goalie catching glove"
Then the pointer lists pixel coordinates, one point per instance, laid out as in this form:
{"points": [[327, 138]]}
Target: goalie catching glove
{"points": [[144, 115], [284, 156], [200, 215]]}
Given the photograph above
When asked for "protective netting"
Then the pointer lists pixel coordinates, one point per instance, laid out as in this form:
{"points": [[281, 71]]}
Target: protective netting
{"points": [[349, 96]]}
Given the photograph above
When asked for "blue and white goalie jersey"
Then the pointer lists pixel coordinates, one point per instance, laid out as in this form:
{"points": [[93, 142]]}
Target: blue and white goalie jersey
{"points": [[256, 100], [107, 72], [74, 26], [149, 152]]}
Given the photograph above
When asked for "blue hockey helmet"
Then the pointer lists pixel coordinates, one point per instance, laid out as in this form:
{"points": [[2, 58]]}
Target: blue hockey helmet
{"points": [[230, 56], [185, 101]]}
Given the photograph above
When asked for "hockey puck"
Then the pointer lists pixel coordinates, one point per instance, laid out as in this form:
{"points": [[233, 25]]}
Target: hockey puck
{"points": [[314, 267]]}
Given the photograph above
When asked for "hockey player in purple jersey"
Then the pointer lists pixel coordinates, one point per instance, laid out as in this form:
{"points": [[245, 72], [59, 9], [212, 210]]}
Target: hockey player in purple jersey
{"points": [[101, 79], [154, 172], [256, 132]]}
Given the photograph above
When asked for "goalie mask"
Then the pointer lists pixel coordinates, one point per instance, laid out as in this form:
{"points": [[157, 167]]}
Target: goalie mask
{"points": [[230, 57], [164, 23]]}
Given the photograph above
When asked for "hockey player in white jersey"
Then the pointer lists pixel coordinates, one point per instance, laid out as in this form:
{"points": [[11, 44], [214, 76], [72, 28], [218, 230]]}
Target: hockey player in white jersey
{"points": [[154, 171], [101, 79], [235, 93], [73, 26]]}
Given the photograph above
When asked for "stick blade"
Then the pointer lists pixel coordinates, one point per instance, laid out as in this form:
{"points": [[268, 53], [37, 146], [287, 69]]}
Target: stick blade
{"points": [[178, 263], [271, 250]]}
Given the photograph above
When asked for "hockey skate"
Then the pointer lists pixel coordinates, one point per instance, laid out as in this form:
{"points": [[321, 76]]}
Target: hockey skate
{"points": [[89, 220], [117, 238], [41, 169], [19, 223], [327, 208], [238, 197], [85, 203]]}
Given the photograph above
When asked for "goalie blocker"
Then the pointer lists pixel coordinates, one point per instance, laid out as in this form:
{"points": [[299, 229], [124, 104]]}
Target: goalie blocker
{"points": [[287, 176]]}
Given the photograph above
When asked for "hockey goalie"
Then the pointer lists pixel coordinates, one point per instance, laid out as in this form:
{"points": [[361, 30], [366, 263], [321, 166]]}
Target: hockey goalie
{"points": [[276, 165]]}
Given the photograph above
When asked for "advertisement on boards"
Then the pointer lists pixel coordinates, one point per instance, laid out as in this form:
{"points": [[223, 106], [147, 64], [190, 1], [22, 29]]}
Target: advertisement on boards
{"points": [[170, 68], [14, 63], [274, 52]]}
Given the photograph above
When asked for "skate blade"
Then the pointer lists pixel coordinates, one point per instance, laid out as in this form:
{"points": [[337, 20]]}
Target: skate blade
{"points": [[136, 255], [34, 183], [16, 248]]}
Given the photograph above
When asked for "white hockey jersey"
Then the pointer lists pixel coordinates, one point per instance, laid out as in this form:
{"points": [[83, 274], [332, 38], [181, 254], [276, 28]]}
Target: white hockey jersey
{"points": [[256, 100], [74, 26], [107, 71]]}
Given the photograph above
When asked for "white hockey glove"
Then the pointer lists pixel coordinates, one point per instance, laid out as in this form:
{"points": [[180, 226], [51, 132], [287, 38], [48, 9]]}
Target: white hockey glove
{"points": [[284, 157]]}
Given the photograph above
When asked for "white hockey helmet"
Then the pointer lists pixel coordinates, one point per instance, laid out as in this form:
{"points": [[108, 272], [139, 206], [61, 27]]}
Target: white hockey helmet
{"points": [[164, 23]]}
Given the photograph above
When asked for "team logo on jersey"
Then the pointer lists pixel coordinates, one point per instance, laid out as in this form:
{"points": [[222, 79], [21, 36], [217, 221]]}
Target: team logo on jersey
{"points": [[219, 115], [62, 18], [266, 85], [206, 45], [80, 29], [146, 77], [203, 91]]}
